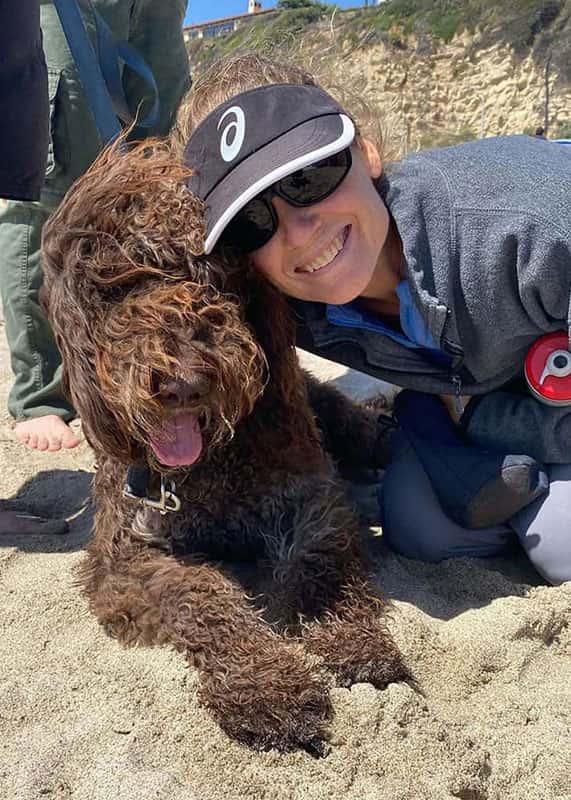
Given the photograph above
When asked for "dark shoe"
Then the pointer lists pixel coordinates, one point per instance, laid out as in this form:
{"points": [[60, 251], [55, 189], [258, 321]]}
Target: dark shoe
{"points": [[477, 488], [14, 522]]}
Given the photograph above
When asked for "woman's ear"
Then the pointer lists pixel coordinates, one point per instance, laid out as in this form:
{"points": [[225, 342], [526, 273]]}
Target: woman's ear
{"points": [[372, 156]]}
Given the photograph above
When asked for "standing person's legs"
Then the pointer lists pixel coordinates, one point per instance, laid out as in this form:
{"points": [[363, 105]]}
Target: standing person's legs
{"points": [[36, 399], [35, 361], [414, 523], [544, 527]]}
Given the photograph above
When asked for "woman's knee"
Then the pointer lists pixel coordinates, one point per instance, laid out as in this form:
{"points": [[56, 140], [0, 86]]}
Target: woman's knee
{"points": [[415, 525], [401, 518], [551, 564], [544, 527]]}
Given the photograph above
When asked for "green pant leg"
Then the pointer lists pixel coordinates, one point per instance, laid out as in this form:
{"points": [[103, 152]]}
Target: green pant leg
{"points": [[156, 33], [34, 356], [74, 144]]}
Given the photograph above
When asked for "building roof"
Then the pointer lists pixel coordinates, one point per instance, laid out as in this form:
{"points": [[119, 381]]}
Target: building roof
{"points": [[221, 20]]}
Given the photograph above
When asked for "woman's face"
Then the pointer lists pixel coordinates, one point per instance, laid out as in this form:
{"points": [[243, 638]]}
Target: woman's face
{"points": [[328, 252]]}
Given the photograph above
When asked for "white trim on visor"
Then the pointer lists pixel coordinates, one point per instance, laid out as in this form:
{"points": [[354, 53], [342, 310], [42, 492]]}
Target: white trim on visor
{"points": [[345, 139]]}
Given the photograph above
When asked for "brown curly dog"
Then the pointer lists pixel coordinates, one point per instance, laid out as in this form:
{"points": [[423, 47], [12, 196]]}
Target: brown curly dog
{"points": [[184, 366]]}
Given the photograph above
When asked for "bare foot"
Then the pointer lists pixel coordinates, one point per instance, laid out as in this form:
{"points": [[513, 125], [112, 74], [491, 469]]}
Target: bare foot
{"points": [[49, 433], [16, 522]]}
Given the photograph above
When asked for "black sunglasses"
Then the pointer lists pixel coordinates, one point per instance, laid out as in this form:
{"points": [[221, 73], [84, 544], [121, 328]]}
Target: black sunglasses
{"points": [[255, 224]]}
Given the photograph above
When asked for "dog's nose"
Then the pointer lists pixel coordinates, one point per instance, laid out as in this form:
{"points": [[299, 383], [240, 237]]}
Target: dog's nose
{"points": [[185, 391]]}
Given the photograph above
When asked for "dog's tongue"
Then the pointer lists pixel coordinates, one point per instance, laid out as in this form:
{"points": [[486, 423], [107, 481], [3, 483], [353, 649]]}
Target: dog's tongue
{"points": [[178, 441]]}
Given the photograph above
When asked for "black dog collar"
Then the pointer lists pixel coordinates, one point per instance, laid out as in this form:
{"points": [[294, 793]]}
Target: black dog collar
{"points": [[137, 485]]}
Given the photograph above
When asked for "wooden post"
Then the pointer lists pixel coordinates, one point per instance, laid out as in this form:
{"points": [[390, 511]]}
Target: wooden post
{"points": [[546, 104]]}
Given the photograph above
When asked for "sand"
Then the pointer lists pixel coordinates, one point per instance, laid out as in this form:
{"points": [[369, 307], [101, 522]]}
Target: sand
{"points": [[82, 718]]}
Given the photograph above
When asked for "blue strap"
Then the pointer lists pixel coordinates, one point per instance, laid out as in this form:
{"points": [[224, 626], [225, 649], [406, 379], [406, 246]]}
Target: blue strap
{"points": [[89, 70], [100, 73], [111, 52]]}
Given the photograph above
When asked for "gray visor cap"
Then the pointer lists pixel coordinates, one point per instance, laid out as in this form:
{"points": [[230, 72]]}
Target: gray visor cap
{"points": [[257, 138]]}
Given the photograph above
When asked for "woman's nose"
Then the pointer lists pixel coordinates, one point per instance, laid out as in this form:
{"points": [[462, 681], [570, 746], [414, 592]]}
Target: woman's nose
{"points": [[297, 224]]}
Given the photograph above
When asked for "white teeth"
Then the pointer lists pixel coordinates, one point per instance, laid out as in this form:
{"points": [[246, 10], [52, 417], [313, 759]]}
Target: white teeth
{"points": [[326, 257]]}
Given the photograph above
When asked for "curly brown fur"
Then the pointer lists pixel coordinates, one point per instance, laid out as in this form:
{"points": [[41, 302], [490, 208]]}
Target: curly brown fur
{"points": [[351, 434], [149, 332]]}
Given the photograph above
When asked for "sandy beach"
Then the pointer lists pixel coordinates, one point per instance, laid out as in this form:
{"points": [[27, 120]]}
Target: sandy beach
{"points": [[83, 719]]}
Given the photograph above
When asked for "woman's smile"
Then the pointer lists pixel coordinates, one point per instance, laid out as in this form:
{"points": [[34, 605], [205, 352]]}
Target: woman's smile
{"points": [[327, 256], [328, 252]]}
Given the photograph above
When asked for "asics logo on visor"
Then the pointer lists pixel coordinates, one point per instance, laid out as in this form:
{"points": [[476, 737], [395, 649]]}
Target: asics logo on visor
{"points": [[233, 134]]}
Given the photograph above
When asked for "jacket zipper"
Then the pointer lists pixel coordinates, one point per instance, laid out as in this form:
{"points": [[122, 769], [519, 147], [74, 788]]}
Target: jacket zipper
{"points": [[458, 405]]}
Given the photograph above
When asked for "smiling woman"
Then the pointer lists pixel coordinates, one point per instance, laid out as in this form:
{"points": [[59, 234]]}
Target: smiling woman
{"points": [[328, 252], [295, 190], [255, 224], [404, 270]]}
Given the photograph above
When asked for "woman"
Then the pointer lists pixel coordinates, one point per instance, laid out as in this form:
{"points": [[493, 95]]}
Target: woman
{"points": [[438, 273]]}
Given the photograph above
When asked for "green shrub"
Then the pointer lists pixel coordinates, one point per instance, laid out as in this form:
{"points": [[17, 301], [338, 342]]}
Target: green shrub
{"points": [[562, 130], [447, 25], [296, 15], [518, 22], [435, 138]]}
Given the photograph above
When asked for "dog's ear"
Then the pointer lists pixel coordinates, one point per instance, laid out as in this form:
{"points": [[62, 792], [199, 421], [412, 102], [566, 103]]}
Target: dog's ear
{"points": [[99, 423], [129, 219], [270, 315], [267, 311], [75, 330]]}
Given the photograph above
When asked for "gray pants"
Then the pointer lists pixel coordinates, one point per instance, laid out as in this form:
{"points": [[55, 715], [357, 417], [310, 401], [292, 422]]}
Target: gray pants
{"points": [[415, 525], [154, 28]]}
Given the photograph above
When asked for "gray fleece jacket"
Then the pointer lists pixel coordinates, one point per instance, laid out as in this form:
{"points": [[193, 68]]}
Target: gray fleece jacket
{"points": [[486, 232]]}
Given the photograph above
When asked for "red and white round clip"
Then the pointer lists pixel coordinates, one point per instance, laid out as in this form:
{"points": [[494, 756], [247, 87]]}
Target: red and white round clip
{"points": [[548, 369]]}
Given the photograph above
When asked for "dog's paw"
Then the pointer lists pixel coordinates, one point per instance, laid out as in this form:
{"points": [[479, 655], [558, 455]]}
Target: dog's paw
{"points": [[354, 653], [274, 698], [379, 671]]}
